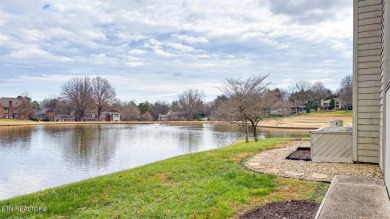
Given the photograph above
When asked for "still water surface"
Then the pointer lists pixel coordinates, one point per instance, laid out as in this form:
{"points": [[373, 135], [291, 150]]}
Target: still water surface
{"points": [[40, 157]]}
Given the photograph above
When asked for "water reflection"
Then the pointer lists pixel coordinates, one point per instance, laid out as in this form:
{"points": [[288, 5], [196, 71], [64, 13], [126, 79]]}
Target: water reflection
{"points": [[89, 146], [39, 157], [15, 137]]}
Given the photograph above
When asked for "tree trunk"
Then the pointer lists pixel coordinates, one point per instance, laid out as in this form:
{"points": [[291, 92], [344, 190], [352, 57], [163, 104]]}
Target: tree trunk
{"points": [[254, 127], [79, 115], [245, 124], [99, 113]]}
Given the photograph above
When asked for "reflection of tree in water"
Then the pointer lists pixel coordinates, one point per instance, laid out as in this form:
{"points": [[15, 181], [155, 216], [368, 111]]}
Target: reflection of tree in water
{"points": [[90, 146], [282, 133], [262, 132], [189, 140], [15, 137], [226, 127]]}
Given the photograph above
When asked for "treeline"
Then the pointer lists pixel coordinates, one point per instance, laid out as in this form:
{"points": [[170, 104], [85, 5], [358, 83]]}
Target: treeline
{"points": [[97, 94], [84, 93], [304, 93]]}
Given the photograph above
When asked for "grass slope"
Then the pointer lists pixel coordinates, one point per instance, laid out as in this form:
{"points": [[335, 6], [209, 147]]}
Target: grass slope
{"points": [[2, 120], [326, 114], [211, 184]]}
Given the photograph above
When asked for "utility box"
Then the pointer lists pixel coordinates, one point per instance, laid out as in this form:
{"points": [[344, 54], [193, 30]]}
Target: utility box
{"points": [[336, 123], [332, 144]]}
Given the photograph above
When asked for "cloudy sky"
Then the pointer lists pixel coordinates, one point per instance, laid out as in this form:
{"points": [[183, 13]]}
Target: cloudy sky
{"points": [[152, 50]]}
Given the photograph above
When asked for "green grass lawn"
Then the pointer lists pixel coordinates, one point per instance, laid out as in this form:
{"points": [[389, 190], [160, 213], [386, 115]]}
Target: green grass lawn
{"points": [[328, 114], [211, 184]]}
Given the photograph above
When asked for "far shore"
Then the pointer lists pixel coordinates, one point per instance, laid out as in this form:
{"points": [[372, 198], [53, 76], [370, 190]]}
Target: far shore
{"points": [[305, 121], [30, 123]]}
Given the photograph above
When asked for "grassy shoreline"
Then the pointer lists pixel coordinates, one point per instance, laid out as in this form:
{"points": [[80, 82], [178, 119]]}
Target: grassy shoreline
{"points": [[16, 122], [308, 121], [210, 184]]}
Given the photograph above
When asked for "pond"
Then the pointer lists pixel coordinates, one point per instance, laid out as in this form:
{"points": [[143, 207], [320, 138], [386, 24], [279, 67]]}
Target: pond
{"points": [[45, 156]]}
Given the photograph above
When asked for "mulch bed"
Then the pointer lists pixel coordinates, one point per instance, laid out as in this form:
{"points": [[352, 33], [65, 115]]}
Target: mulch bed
{"points": [[302, 153], [288, 210]]}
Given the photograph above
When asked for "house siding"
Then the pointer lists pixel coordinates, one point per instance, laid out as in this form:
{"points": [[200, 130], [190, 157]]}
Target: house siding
{"points": [[385, 98], [382, 100], [367, 79]]}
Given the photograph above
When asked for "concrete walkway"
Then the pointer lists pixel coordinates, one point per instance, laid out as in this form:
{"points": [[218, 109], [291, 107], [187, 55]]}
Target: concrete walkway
{"points": [[355, 197]]}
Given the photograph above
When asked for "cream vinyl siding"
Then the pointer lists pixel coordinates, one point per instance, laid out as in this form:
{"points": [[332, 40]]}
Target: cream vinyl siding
{"points": [[367, 79]]}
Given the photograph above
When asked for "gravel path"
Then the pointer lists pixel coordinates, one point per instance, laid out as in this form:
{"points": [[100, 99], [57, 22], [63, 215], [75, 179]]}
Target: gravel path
{"points": [[274, 162]]}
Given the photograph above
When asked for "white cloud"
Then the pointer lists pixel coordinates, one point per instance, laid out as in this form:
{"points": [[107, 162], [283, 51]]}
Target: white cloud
{"points": [[181, 47], [102, 59], [134, 62], [137, 52], [206, 39], [190, 39]]}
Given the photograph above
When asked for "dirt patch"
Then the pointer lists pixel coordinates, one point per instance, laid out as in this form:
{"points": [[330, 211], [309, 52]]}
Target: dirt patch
{"points": [[241, 157], [163, 178], [302, 153], [301, 209]]}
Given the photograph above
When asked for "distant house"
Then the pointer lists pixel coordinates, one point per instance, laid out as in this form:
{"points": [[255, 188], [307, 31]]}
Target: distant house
{"points": [[110, 117], [325, 104], [64, 118], [281, 108], [172, 116], [285, 108], [40, 113], [204, 119], [8, 107], [89, 115]]}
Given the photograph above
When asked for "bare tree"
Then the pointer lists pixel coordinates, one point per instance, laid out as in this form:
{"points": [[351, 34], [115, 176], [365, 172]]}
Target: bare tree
{"points": [[320, 91], [50, 103], [159, 107], [129, 111], [300, 86], [25, 109], [232, 110], [146, 117], [78, 91], [207, 109], [190, 102], [64, 107], [56, 105], [103, 94], [346, 91], [300, 92], [249, 101], [175, 106]]}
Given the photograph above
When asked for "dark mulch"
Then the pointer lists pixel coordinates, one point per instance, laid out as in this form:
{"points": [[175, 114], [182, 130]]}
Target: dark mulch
{"points": [[289, 210], [302, 153]]}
